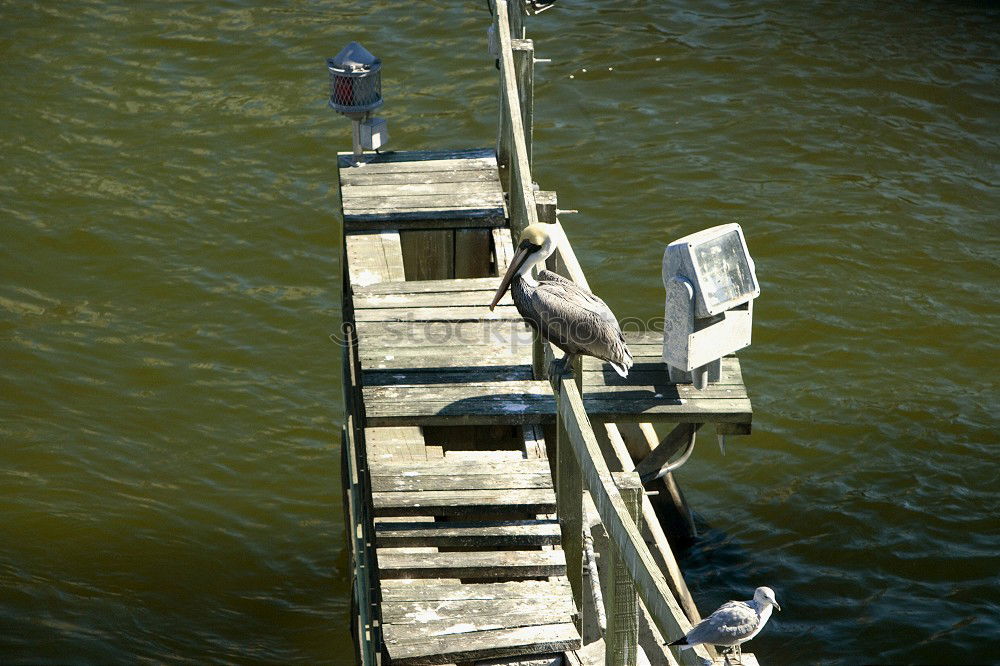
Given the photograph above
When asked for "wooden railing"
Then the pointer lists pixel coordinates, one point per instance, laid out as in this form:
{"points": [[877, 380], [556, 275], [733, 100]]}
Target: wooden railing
{"points": [[580, 461]]}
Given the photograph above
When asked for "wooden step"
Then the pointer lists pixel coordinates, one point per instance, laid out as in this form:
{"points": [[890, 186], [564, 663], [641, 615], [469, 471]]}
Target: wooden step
{"points": [[374, 257], [444, 621], [478, 402], [507, 533], [495, 565], [422, 190], [459, 502]]}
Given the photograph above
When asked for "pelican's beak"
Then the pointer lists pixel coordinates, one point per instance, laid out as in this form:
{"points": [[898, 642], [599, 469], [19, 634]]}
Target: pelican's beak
{"points": [[524, 250]]}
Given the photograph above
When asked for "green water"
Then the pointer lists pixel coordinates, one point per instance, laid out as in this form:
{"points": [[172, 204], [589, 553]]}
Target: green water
{"points": [[169, 396]]}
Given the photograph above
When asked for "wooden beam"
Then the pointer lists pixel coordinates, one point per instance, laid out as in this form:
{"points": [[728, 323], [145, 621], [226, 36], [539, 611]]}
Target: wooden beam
{"points": [[622, 530], [522, 195], [494, 534], [652, 466], [484, 565], [569, 496], [524, 67], [622, 637], [619, 436]]}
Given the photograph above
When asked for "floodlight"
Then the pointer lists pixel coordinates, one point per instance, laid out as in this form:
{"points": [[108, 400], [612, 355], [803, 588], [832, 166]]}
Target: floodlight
{"points": [[710, 282]]}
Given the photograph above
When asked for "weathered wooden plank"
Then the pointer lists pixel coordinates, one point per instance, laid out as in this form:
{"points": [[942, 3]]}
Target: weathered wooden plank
{"points": [[534, 442], [358, 177], [509, 533], [436, 618], [362, 204], [391, 156], [480, 360], [521, 371], [428, 254], [374, 257], [457, 313], [404, 442], [483, 466], [536, 639], [444, 333], [476, 457], [473, 564], [476, 189], [503, 249], [450, 589], [481, 299], [398, 156], [534, 660], [472, 253], [508, 360], [459, 502], [639, 408], [435, 286], [437, 392], [651, 371], [665, 392], [533, 409], [429, 218], [408, 482]]}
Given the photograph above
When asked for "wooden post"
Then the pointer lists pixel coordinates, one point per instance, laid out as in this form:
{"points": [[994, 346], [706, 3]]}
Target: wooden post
{"points": [[676, 514], [521, 203], [503, 141], [569, 505], [538, 356], [524, 72], [625, 537], [622, 639], [545, 204], [624, 437]]}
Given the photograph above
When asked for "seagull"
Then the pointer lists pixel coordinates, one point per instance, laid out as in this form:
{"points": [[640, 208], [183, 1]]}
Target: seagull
{"points": [[734, 623], [565, 314]]}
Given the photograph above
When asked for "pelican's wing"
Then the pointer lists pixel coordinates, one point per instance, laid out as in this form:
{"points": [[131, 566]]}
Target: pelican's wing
{"points": [[579, 322], [732, 623]]}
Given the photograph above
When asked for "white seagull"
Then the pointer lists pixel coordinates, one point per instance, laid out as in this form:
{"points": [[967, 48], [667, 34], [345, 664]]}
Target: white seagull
{"points": [[734, 623]]}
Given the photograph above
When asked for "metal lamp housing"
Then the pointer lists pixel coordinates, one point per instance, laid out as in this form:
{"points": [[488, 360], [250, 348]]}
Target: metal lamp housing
{"points": [[355, 81], [710, 283], [717, 262]]}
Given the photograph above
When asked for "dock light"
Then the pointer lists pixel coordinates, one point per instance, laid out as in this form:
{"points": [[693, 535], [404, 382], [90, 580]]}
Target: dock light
{"points": [[356, 91], [710, 282]]}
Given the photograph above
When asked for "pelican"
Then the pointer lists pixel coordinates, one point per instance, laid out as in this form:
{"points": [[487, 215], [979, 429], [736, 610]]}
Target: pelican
{"points": [[565, 314], [733, 623]]}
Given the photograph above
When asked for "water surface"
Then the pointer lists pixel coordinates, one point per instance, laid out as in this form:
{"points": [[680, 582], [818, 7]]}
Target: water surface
{"points": [[170, 400]]}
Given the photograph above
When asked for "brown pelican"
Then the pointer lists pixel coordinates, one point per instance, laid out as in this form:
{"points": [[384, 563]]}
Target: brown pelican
{"points": [[565, 314]]}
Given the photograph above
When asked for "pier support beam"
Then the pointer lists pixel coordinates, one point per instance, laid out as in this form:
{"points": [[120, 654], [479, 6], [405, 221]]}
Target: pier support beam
{"points": [[622, 639], [569, 505]]}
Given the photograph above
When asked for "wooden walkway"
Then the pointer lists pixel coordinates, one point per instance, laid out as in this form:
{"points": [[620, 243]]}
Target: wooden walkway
{"points": [[468, 558], [466, 541]]}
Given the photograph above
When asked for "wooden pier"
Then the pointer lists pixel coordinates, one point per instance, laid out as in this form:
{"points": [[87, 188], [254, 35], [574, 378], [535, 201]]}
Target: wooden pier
{"points": [[465, 471]]}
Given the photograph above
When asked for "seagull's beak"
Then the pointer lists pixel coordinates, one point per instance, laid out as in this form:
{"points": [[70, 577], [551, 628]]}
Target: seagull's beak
{"points": [[524, 251], [776, 605]]}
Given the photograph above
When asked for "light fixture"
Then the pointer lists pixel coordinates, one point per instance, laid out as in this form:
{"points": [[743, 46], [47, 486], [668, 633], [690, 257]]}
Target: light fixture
{"points": [[356, 91], [710, 283]]}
